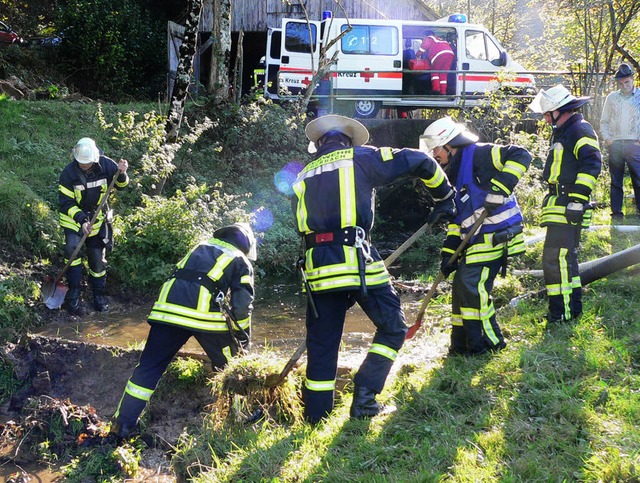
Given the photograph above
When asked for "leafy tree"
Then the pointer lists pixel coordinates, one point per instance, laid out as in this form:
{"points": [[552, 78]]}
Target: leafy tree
{"points": [[112, 48]]}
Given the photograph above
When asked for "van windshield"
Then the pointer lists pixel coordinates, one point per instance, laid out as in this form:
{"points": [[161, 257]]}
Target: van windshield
{"points": [[370, 40]]}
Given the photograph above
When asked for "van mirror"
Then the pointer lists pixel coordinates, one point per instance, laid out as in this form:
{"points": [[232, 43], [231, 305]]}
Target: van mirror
{"points": [[501, 61]]}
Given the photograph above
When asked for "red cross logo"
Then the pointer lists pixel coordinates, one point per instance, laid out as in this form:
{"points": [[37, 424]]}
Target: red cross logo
{"points": [[367, 75], [306, 81]]}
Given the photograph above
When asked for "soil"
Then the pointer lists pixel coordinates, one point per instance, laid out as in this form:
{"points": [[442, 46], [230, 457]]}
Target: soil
{"points": [[72, 374]]}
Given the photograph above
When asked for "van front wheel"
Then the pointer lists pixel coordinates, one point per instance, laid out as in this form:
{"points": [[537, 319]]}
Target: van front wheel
{"points": [[366, 109]]}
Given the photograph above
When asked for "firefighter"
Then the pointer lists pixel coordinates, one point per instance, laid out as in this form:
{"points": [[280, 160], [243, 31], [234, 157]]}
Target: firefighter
{"points": [[192, 302], [258, 79], [334, 208], [83, 185], [571, 170], [440, 55], [484, 176]]}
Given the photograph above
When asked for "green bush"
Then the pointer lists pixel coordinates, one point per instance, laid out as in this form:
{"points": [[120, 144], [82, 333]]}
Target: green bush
{"points": [[156, 235], [26, 220], [17, 296], [110, 49]]}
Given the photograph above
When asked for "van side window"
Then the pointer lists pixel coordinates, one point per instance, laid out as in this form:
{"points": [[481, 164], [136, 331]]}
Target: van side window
{"points": [[370, 40], [474, 44], [297, 37], [493, 52]]}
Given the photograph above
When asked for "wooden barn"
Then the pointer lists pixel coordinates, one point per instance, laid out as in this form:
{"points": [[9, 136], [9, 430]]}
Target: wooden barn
{"points": [[253, 18]]}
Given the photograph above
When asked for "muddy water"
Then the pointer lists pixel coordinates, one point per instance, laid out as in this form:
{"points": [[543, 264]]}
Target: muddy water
{"points": [[278, 322]]}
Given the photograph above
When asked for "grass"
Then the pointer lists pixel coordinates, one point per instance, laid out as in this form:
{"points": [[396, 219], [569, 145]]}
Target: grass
{"points": [[559, 403]]}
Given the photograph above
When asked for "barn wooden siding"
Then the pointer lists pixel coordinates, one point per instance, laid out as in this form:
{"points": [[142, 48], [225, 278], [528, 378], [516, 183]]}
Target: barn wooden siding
{"points": [[259, 15]]}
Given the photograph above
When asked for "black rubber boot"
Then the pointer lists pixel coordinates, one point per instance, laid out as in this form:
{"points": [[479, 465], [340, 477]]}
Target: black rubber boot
{"points": [[100, 300], [72, 302], [123, 430], [365, 406]]}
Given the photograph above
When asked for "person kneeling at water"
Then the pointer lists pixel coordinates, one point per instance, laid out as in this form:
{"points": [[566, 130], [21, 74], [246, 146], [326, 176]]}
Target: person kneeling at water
{"points": [[191, 304]]}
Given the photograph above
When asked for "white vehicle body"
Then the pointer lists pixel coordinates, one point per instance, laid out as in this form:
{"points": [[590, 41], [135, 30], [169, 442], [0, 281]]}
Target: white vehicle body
{"points": [[371, 70]]}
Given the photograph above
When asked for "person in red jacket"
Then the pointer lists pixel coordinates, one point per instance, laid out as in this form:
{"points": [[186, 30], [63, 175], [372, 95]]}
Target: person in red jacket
{"points": [[440, 55]]}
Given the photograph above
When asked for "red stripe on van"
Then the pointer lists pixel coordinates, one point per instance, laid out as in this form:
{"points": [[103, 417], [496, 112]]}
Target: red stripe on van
{"points": [[489, 78]]}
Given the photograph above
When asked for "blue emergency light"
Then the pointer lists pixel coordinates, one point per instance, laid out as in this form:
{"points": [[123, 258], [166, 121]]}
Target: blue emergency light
{"points": [[458, 18], [327, 14]]}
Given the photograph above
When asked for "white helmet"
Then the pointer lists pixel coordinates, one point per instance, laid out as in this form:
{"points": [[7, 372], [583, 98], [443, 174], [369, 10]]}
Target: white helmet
{"points": [[443, 131], [556, 98], [86, 152]]}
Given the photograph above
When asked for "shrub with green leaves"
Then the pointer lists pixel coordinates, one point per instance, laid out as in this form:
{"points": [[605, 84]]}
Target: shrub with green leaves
{"points": [[26, 219], [156, 235], [17, 296]]}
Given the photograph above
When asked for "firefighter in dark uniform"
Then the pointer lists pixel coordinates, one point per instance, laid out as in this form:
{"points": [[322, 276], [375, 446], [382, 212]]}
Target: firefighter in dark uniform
{"points": [[334, 210], [82, 187], [484, 176], [572, 167], [192, 302]]}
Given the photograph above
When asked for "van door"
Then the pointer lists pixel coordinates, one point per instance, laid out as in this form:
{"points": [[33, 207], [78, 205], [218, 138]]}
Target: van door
{"points": [[370, 60], [483, 58], [298, 56], [272, 61]]}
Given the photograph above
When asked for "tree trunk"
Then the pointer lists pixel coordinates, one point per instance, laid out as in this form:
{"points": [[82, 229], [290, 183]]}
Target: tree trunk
{"points": [[220, 50], [187, 52]]}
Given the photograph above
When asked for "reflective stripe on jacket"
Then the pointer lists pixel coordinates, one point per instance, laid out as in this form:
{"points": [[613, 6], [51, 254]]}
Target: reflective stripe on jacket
{"points": [[336, 191], [478, 169], [81, 192], [574, 161], [191, 305]]}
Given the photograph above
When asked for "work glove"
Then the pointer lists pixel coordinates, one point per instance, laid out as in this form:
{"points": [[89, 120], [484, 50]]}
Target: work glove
{"points": [[574, 212], [447, 268], [444, 211], [493, 201], [243, 339]]}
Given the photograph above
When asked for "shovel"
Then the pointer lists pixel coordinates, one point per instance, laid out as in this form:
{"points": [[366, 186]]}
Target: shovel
{"points": [[441, 276], [273, 380], [53, 289]]}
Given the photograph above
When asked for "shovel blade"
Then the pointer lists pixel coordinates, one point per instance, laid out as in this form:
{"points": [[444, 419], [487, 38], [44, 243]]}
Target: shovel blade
{"points": [[53, 293], [413, 329]]}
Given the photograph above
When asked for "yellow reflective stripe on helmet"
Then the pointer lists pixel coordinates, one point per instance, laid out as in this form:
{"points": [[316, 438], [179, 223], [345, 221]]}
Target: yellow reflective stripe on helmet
{"points": [[585, 141], [384, 351], [556, 164], [320, 385], [386, 154], [139, 392], [347, 196]]}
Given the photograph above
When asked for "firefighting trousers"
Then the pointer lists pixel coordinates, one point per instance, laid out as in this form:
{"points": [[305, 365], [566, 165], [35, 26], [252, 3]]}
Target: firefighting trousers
{"points": [[163, 343], [474, 328], [561, 272], [382, 306], [96, 256]]}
